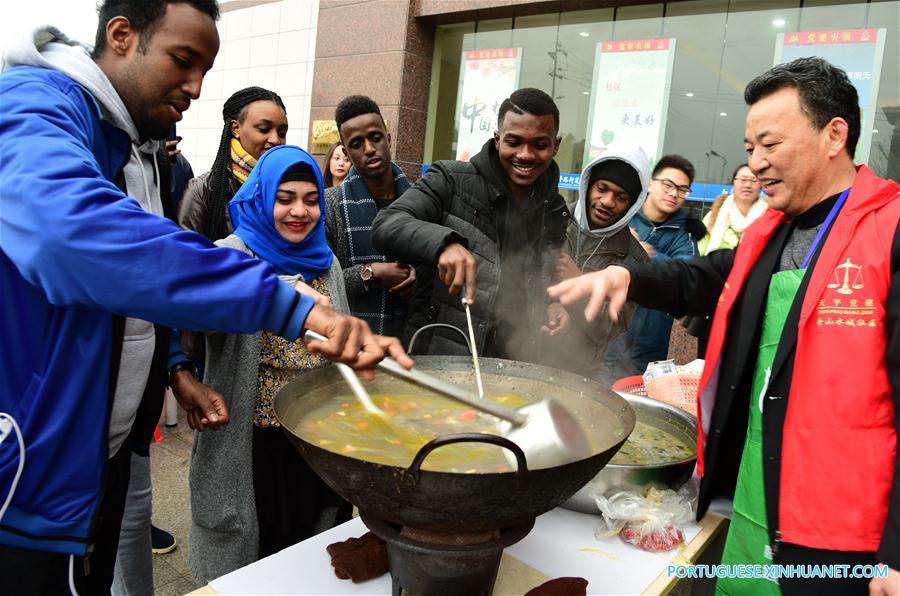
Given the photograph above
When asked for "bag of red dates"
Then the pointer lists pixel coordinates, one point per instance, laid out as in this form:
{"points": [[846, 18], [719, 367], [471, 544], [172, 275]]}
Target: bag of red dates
{"points": [[651, 521], [655, 541]]}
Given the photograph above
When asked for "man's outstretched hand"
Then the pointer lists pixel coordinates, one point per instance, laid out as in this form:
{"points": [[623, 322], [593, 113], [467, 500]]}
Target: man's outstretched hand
{"points": [[609, 284]]}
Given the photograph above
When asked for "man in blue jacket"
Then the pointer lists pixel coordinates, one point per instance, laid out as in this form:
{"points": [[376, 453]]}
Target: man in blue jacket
{"points": [[666, 231], [92, 276]]}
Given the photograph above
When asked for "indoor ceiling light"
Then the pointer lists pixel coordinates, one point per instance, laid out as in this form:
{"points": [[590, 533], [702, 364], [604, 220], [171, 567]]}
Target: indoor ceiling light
{"points": [[689, 94], [722, 114], [584, 34], [778, 22]]}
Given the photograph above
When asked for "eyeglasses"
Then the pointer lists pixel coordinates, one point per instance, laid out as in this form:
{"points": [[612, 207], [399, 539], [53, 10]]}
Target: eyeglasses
{"points": [[669, 186], [746, 179]]}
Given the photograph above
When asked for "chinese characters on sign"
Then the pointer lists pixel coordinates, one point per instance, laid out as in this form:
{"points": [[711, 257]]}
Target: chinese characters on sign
{"points": [[630, 95], [857, 51], [806, 38], [324, 133], [489, 77]]}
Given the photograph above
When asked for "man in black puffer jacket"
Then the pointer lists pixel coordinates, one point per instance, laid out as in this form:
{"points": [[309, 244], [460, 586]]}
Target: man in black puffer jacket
{"points": [[496, 225]]}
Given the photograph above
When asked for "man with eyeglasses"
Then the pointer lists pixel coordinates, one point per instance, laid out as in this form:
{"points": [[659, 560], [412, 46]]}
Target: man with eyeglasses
{"points": [[666, 231]]}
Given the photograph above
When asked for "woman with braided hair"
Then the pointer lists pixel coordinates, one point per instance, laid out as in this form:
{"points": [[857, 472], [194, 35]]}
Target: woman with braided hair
{"points": [[255, 120]]}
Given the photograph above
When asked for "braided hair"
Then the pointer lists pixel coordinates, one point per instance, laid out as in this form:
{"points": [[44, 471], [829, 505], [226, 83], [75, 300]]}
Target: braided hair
{"points": [[220, 174]]}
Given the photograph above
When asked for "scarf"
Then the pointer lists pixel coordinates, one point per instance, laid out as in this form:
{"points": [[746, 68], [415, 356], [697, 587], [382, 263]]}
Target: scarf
{"points": [[383, 311], [730, 217], [241, 161], [251, 212]]}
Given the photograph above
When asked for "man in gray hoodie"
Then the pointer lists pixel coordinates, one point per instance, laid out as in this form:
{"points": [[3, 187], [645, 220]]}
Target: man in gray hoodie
{"points": [[612, 189]]}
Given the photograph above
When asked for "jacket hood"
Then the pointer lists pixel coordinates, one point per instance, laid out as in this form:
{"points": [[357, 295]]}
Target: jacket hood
{"points": [[48, 47], [634, 157]]}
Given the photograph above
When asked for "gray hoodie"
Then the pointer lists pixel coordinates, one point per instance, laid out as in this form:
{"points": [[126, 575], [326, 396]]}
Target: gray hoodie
{"points": [[582, 349], [637, 159], [47, 47]]}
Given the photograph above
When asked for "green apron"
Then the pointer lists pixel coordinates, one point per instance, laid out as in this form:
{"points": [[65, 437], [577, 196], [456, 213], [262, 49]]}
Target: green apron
{"points": [[747, 542]]}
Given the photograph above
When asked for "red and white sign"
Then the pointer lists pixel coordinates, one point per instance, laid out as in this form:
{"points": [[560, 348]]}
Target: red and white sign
{"points": [[807, 38], [489, 77]]}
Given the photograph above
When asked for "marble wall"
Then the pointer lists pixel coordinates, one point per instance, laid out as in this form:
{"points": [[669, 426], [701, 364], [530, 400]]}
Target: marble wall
{"points": [[376, 48]]}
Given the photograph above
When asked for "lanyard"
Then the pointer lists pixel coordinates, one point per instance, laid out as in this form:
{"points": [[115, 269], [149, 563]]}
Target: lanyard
{"points": [[824, 229]]}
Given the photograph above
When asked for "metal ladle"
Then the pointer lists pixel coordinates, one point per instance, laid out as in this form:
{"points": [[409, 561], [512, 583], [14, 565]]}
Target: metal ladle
{"points": [[359, 390], [473, 346], [546, 431]]}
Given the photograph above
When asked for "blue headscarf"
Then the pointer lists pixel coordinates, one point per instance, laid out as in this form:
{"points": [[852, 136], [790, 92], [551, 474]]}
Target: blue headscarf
{"points": [[251, 215]]}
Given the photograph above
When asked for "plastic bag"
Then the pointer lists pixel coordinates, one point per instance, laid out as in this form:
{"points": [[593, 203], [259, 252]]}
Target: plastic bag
{"points": [[652, 521]]}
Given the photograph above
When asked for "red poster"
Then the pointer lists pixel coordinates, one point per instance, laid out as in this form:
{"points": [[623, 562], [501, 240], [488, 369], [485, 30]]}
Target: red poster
{"points": [[806, 38], [636, 45]]}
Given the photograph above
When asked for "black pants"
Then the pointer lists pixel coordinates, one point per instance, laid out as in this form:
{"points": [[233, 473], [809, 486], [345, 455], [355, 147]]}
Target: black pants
{"points": [[30, 572], [792, 554], [292, 502]]}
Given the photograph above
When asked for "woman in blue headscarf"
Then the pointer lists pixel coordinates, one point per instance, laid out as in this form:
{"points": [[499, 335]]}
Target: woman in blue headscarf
{"points": [[251, 492]]}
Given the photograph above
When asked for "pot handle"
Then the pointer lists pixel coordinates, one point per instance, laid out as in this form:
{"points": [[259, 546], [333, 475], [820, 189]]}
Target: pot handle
{"points": [[412, 340], [414, 468]]}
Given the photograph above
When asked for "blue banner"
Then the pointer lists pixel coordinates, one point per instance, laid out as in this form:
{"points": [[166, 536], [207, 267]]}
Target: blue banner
{"points": [[568, 181]]}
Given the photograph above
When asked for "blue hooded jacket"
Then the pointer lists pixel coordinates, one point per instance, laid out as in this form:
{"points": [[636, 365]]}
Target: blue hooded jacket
{"points": [[75, 252], [671, 239], [648, 336]]}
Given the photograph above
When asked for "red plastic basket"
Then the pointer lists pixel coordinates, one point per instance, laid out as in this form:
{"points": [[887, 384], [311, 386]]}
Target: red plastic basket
{"points": [[689, 388], [634, 384]]}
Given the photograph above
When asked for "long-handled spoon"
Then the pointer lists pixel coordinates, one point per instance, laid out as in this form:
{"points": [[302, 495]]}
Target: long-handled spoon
{"points": [[472, 345], [360, 391]]}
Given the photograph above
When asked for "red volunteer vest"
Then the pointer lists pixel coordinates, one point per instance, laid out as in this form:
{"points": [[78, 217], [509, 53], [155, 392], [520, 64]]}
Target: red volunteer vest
{"points": [[839, 439]]}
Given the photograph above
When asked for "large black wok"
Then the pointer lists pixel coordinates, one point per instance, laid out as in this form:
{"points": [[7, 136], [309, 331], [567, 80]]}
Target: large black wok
{"points": [[461, 502]]}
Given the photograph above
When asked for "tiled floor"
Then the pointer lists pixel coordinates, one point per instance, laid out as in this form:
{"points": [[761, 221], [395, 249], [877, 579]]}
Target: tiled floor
{"points": [[170, 460]]}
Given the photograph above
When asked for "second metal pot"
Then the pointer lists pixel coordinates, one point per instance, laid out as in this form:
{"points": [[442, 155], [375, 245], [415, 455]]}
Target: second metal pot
{"points": [[617, 477]]}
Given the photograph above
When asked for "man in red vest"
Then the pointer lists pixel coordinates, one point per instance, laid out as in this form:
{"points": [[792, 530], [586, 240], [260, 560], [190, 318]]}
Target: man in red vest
{"points": [[801, 388]]}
